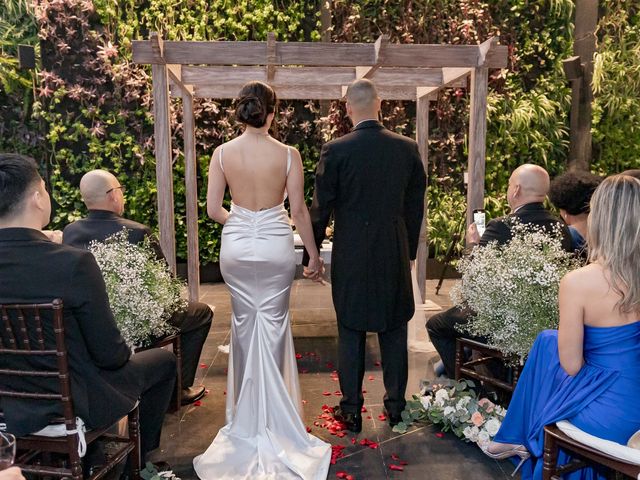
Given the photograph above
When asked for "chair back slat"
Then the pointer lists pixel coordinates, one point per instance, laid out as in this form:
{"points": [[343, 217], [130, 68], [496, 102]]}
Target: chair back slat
{"points": [[23, 329], [8, 328], [31, 342], [39, 331]]}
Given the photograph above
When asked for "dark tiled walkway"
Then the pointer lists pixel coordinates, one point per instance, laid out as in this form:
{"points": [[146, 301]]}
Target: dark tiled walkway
{"points": [[429, 456]]}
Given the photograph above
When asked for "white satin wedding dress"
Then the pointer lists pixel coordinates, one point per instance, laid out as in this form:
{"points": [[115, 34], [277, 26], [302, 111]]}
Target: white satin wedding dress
{"points": [[264, 438]]}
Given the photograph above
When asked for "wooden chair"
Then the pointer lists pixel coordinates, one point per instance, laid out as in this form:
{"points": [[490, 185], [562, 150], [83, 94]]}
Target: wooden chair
{"points": [[174, 341], [554, 439], [482, 354], [26, 332]]}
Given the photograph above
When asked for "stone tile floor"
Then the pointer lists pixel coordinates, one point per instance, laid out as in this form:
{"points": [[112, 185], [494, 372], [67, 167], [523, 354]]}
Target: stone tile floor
{"points": [[429, 456]]}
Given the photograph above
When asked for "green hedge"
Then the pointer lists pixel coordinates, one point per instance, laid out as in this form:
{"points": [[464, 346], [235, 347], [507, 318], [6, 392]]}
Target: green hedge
{"points": [[90, 107]]}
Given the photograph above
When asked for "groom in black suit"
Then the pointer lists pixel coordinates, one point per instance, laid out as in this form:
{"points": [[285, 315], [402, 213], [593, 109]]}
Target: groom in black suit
{"points": [[103, 195], [106, 381], [373, 182]]}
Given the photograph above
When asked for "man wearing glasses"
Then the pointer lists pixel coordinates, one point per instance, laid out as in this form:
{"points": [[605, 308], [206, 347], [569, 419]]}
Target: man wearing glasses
{"points": [[103, 195]]}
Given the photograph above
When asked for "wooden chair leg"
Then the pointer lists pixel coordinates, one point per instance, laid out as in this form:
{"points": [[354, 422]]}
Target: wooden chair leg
{"points": [[133, 420], [177, 351], [459, 358], [75, 463], [550, 457]]}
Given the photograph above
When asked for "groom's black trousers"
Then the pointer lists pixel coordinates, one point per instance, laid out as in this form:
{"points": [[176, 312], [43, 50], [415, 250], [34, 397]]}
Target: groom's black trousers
{"points": [[351, 368]]}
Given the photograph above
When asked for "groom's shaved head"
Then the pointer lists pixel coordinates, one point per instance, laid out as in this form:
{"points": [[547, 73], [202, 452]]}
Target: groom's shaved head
{"points": [[362, 94]]}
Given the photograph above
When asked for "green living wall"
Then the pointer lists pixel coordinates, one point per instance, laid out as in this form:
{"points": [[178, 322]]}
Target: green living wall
{"points": [[88, 106]]}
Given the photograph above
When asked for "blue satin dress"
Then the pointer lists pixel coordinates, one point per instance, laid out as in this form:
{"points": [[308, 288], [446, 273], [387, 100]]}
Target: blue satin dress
{"points": [[602, 399]]}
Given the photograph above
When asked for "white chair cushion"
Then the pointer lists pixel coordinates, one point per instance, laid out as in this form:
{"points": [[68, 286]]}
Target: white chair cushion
{"points": [[60, 430], [616, 450]]}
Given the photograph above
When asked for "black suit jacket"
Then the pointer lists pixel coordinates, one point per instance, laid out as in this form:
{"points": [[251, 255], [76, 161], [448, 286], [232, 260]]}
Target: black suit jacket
{"points": [[499, 229], [104, 384], [373, 182], [100, 224]]}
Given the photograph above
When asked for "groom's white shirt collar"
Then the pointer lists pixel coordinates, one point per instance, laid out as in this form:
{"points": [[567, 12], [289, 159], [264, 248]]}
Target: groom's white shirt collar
{"points": [[365, 120]]}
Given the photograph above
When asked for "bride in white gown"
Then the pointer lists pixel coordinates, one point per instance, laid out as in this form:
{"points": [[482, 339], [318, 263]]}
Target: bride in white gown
{"points": [[264, 437]]}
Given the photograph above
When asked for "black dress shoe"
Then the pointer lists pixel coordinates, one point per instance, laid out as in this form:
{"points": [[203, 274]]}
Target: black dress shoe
{"points": [[191, 394], [353, 421], [393, 419]]}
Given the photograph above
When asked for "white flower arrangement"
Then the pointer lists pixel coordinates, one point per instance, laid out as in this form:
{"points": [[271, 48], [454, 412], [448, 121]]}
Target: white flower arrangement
{"points": [[513, 288], [143, 294], [455, 407]]}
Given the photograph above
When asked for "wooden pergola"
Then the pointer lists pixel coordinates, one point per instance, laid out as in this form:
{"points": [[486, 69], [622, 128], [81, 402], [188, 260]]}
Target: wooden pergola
{"points": [[313, 71]]}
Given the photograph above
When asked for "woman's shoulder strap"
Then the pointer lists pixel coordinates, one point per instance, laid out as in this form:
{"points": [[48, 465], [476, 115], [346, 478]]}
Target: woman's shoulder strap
{"points": [[288, 160]]}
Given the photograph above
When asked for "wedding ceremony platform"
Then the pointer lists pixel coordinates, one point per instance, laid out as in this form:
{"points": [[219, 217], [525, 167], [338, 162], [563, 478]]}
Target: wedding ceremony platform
{"points": [[429, 454]]}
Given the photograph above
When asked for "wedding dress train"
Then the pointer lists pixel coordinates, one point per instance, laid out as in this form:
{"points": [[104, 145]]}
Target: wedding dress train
{"points": [[264, 437]]}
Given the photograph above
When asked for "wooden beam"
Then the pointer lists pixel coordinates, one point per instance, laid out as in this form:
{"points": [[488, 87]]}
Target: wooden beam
{"points": [[477, 140], [191, 184], [292, 92], [175, 75], [484, 49], [318, 54], [378, 48], [164, 167], [271, 56], [157, 45], [422, 137], [451, 76], [312, 76]]}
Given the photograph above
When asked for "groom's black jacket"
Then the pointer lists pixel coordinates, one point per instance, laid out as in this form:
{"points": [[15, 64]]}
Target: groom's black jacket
{"points": [[373, 182]]}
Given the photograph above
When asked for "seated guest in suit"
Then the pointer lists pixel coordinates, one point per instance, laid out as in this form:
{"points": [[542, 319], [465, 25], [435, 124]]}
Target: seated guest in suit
{"points": [[106, 381], [587, 371], [570, 193], [528, 187], [104, 197]]}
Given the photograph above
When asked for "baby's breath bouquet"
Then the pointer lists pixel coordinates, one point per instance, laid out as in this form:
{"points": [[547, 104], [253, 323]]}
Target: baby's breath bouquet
{"points": [[513, 288], [143, 293]]}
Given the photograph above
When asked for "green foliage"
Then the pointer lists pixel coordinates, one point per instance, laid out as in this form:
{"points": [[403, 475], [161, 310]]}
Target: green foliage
{"points": [[616, 85], [90, 107]]}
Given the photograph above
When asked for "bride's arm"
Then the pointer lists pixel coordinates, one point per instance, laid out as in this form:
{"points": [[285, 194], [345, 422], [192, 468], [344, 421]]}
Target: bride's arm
{"points": [[571, 329], [215, 190], [299, 211]]}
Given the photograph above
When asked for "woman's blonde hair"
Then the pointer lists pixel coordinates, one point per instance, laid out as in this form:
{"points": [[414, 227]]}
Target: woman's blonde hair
{"points": [[613, 236]]}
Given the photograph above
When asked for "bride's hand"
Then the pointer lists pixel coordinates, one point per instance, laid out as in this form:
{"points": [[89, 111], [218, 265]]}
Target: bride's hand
{"points": [[314, 270]]}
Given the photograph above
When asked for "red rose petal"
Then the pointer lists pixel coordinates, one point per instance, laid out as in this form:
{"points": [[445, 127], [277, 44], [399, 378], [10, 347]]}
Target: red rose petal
{"points": [[206, 391], [364, 391], [377, 364], [394, 456], [304, 402], [225, 392], [340, 434], [341, 474], [353, 440], [197, 403], [326, 394], [330, 365], [397, 468], [371, 377], [350, 477], [337, 393], [439, 434], [298, 356], [368, 417], [382, 417], [363, 409], [203, 365], [308, 429]]}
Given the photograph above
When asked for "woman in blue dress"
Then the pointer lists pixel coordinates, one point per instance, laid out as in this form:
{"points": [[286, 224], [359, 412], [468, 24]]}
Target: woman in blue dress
{"points": [[588, 371]]}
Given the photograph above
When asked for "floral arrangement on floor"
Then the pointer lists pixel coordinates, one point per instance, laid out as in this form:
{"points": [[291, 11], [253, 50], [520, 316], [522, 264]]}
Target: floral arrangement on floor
{"points": [[455, 407], [513, 288], [143, 293]]}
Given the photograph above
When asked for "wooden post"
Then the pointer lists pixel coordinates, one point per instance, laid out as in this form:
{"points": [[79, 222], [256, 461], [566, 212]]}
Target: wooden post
{"points": [[422, 137], [477, 140], [584, 47], [325, 36], [164, 172], [191, 184]]}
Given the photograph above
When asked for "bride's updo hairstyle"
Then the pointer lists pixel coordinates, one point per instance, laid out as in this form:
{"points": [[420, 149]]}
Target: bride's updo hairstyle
{"points": [[613, 236], [255, 101]]}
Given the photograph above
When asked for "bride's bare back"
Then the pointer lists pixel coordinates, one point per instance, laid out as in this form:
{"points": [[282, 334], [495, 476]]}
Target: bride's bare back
{"points": [[255, 169]]}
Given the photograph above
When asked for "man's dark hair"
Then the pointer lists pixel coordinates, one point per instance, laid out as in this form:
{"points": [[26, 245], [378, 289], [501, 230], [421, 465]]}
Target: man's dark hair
{"points": [[17, 174], [572, 191], [634, 172]]}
